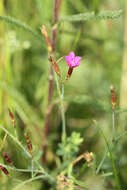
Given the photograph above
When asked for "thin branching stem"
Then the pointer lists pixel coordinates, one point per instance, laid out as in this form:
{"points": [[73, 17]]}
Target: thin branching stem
{"points": [[32, 179], [21, 170], [113, 125], [16, 140], [113, 138], [20, 145], [61, 96], [111, 157], [50, 88]]}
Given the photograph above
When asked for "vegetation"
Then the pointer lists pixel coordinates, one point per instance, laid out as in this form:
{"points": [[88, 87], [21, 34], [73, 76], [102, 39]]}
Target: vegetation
{"points": [[63, 127]]}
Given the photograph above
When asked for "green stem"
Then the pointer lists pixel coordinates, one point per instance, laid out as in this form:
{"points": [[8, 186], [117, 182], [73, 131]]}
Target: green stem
{"points": [[21, 170], [107, 174], [61, 95], [113, 125], [16, 140], [20, 145], [101, 163], [32, 168], [30, 180], [63, 116], [111, 157], [113, 138]]}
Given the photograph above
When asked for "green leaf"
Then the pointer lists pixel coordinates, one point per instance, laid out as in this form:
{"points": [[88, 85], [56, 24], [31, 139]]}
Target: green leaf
{"points": [[17, 23], [90, 16]]}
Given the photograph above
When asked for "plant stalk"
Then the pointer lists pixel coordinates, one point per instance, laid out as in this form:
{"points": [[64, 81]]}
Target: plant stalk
{"points": [[50, 89]]}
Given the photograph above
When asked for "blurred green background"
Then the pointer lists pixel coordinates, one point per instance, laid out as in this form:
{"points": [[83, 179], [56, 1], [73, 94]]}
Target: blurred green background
{"points": [[24, 70]]}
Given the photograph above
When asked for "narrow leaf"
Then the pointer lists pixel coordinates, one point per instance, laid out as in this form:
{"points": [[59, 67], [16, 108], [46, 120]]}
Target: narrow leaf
{"points": [[17, 23], [90, 16]]}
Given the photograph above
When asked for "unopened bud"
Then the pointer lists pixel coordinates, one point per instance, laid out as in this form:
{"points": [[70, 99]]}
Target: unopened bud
{"points": [[6, 157], [113, 97], [12, 118], [4, 170], [29, 144], [45, 34], [55, 66]]}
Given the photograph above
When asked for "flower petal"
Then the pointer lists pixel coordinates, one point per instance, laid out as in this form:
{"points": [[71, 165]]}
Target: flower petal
{"points": [[72, 60], [68, 60], [72, 55], [77, 59]]}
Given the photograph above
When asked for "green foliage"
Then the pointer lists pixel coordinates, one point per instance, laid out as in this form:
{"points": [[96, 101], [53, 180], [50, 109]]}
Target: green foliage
{"points": [[86, 95], [71, 148], [92, 16], [17, 23]]}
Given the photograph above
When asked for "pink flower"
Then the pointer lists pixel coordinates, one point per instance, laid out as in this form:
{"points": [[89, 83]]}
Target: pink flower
{"points": [[72, 60]]}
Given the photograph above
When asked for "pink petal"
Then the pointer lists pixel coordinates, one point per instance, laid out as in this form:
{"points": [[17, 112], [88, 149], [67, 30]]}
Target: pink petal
{"points": [[68, 60], [77, 59], [75, 64], [72, 55]]}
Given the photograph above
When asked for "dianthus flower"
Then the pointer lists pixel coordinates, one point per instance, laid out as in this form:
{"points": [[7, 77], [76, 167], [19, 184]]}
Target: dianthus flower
{"points": [[72, 61]]}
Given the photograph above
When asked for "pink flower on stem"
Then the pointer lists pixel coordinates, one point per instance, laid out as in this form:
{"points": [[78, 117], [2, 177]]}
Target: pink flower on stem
{"points": [[72, 61]]}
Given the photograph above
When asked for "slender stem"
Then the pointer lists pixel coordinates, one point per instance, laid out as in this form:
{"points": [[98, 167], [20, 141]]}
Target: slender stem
{"points": [[50, 90], [63, 117], [106, 153], [32, 168], [3, 143], [20, 145], [107, 174], [21, 170], [15, 139], [113, 125], [113, 138], [28, 181], [111, 157], [101, 163], [61, 95], [123, 134]]}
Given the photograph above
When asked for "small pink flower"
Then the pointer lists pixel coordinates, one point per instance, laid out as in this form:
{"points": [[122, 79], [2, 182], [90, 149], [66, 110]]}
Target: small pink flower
{"points": [[72, 60]]}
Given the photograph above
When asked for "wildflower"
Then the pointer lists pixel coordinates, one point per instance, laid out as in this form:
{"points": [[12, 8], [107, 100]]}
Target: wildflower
{"points": [[8, 160], [72, 61], [4, 170]]}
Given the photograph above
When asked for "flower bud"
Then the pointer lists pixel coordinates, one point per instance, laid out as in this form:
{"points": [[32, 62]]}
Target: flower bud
{"points": [[29, 144], [4, 170], [6, 157], [113, 97]]}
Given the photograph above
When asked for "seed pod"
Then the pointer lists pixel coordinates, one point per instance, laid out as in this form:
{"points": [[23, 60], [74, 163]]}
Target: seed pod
{"points": [[4, 170], [6, 157], [113, 97], [29, 144], [45, 34], [55, 66], [12, 118]]}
